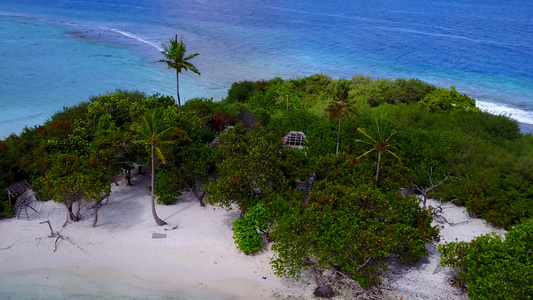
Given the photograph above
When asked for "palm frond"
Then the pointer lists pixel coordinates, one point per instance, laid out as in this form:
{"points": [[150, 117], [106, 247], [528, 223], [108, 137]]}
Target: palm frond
{"points": [[188, 66], [392, 134], [164, 133], [191, 56], [364, 141], [175, 56], [395, 155], [365, 154], [160, 154], [365, 133]]}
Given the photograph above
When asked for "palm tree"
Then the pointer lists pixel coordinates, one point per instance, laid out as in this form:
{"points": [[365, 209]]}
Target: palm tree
{"points": [[175, 59], [154, 132], [380, 144], [339, 105]]}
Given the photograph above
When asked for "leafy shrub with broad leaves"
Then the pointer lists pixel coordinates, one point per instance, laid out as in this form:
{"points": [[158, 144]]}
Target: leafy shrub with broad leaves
{"points": [[167, 187], [444, 100], [240, 91], [494, 268], [352, 229], [247, 231]]}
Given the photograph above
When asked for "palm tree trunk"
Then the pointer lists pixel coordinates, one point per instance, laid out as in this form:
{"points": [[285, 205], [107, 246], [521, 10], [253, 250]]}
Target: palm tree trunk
{"points": [[156, 218], [377, 168], [339, 134], [178, 87]]}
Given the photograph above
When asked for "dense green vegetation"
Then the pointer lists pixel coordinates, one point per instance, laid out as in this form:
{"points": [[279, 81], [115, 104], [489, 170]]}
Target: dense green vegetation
{"points": [[492, 267], [365, 139]]}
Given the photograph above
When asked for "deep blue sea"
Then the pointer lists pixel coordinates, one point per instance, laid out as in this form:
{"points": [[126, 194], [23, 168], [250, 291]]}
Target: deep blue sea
{"points": [[59, 53]]}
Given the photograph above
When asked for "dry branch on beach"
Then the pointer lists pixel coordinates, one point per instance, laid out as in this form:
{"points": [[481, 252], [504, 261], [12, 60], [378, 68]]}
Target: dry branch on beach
{"points": [[58, 237]]}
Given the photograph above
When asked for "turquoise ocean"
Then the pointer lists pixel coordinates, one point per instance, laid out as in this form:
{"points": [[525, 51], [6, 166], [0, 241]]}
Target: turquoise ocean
{"points": [[59, 53]]}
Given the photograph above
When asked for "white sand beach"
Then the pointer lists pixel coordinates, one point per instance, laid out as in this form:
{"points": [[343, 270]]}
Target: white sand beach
{"points": [[119, 259]]}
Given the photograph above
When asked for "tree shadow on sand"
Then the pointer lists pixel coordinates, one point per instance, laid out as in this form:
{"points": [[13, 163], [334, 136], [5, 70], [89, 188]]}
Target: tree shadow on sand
{"points": [[125, 207]]}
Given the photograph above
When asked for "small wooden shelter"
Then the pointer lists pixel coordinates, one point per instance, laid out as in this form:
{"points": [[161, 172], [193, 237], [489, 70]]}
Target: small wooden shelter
{"points": [[24, 195], [294, 139]]}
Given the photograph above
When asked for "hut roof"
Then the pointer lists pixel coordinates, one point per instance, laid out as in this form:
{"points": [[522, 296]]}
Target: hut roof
{"points": [[294, 139]]}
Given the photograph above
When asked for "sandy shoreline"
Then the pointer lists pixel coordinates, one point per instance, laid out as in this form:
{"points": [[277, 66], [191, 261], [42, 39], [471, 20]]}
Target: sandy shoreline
{"points": [[119, 259]]}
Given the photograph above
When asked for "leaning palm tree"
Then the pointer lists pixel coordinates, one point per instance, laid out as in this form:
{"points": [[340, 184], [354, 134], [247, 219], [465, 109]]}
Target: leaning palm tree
{"points": [[380, 142], [340, 105], [175, 59], [154, 132]]}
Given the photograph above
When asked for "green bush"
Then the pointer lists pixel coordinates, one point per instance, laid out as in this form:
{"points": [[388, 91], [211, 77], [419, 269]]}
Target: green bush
{"points": [[494, 268], [444, 100], [167, 187], [247, 231], [6, 209], [240, 92], [352, 229]]}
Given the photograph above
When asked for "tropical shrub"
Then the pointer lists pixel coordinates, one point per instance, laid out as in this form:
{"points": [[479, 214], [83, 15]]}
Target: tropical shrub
{"points": [[444, 100], [248, 231], [167, 186], [240, 92], [351, 229], [494, 268], [248, 169]]}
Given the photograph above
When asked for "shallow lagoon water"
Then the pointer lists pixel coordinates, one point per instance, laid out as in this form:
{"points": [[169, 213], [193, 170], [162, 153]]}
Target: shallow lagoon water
{"points": [[61, 53]]}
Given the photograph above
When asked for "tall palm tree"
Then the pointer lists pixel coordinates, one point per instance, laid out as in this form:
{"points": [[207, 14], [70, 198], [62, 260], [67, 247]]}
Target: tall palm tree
{"points": [[380, 143], [340, 105], [175, 59], [154, 132]]}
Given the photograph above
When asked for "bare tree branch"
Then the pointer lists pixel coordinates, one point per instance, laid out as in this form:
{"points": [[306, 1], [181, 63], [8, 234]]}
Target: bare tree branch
{"points": [[58, 237], [425, 190]]}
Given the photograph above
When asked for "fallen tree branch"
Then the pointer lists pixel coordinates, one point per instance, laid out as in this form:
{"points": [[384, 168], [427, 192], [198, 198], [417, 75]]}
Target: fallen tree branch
{"points": [[175, 227], [6, 248], [441, 219], [58, 237]]}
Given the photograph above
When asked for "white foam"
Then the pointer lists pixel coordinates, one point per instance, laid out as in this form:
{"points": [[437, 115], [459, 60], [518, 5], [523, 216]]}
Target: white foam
{"points": [[135, 37], [521, 116]]}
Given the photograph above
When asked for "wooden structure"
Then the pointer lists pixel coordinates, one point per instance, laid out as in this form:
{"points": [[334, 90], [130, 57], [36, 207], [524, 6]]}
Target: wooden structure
{"points": [[24, 195], [294, 139]]}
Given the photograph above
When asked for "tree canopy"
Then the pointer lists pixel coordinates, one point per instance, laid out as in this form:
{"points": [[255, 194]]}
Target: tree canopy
{"points": [[321, 206]]}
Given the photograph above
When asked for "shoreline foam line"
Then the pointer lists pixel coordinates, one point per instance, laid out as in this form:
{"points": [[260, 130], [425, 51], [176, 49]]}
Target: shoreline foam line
{"points": [[519, 115]]}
